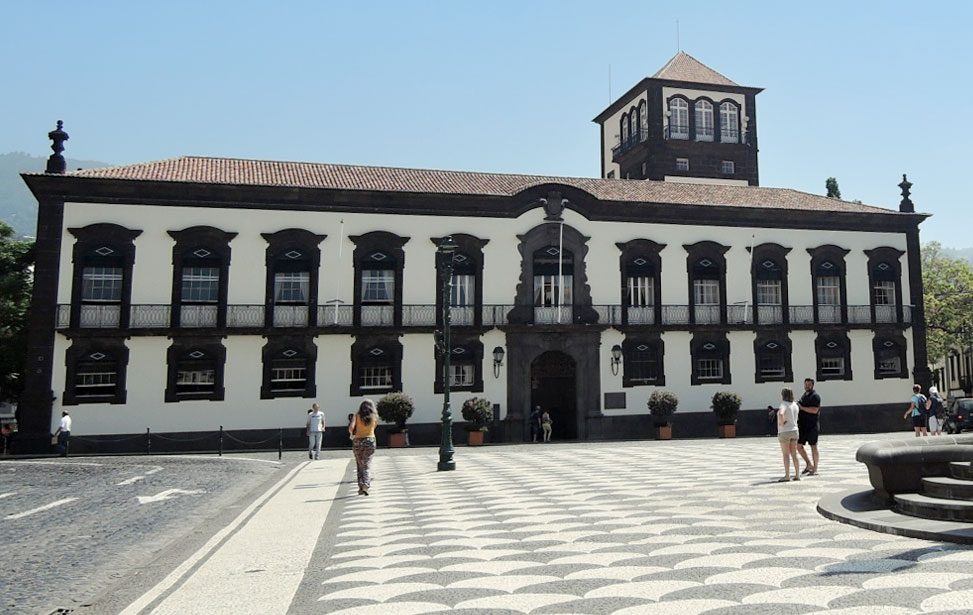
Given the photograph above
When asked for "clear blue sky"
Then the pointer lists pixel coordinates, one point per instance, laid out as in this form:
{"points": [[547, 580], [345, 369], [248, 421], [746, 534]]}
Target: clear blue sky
{"points": [[863, 91]]}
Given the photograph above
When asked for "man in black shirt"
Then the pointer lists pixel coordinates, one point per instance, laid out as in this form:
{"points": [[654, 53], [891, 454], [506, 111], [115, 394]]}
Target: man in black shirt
{"points": [[807, 426]]}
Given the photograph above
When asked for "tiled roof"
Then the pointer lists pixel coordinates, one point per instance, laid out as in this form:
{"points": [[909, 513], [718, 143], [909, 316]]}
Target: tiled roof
{"points": [[195, 169], [684, 67]]}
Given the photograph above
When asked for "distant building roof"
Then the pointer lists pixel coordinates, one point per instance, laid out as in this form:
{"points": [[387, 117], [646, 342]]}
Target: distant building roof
{"points": [[230, 171], [684, 67]]}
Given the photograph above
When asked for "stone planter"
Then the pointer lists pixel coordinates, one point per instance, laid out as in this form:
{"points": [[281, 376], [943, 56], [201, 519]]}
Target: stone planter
{"points": [[398, 440], [727, 431], [663, 432], [475, 438]]}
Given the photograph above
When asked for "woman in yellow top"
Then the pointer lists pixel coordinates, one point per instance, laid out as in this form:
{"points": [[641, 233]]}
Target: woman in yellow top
{"points": [[362, 431]]}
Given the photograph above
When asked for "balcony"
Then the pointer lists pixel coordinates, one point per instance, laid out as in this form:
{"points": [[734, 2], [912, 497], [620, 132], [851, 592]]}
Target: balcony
{"points": [[624, 145], [158, 316]]}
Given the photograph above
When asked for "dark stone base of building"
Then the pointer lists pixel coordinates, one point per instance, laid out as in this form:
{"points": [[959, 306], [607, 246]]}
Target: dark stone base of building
{"points": [[872, 418]]}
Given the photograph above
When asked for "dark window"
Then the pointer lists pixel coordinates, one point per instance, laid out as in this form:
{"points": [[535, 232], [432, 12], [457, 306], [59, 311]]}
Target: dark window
{"points": [[890, 359], [201, 262], [642, 362], [293, 259], [710, 356], [195, 370], [376, 366], [95, 373], [379, 261], [773, 359], [288, 368], [707, 284], [104, 255], [828, 275], [465, 366], [885, 284], [833, 357]]}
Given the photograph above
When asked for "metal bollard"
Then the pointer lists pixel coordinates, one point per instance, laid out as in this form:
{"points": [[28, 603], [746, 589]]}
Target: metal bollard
{"points": [[221, 440], [280, 443], [148, 441]]}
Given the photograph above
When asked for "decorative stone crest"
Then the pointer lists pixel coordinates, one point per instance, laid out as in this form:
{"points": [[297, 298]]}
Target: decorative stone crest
{"points": [[554, 204]]}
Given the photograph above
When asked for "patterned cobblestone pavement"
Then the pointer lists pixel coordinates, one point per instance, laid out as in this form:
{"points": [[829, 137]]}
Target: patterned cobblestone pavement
{"points": [[682, 527], [73, 527]]}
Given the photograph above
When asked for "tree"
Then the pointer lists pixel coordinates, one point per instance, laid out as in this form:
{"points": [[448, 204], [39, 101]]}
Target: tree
{"points": [[832, 185], [948, 287], [16, 262]]}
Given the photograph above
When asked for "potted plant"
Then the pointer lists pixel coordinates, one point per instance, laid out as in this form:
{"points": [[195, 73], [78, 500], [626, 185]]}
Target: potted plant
{"points": [[662, 404], [396, 408], [726, 405], [477, 412]]}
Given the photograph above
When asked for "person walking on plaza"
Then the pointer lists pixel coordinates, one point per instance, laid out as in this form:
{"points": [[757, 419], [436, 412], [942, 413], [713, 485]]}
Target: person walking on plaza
{"points": [[936, 409], [807, 426], [362, 430], [546, 426], [917, 410], [535, 423], [63, 434], [315, 431], [787, 417]]}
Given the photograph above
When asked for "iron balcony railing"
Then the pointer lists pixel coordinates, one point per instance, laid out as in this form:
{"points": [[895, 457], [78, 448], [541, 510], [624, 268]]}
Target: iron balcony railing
{"points": [[638, 136], [159, 316]]}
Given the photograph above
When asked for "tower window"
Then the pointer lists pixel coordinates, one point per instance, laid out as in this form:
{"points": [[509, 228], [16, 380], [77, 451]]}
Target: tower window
{"points": [[678, 119], [704, 120], [682, 164], [728, 167], [729, 123]]}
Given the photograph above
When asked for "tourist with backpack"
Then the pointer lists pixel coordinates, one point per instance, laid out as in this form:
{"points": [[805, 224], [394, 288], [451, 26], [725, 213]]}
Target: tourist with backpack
{"points": [[917, 410], [936, 409]]}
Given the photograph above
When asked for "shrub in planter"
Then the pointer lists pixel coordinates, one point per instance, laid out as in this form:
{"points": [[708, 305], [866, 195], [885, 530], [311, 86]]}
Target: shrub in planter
{"points": [[477, 412], [726, 405], [395, 408], [662, 404]]}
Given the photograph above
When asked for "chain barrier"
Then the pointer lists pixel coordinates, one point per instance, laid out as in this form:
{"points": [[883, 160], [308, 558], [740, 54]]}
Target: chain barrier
{"points": [[239, 441], [106, 440], [169, 439]]}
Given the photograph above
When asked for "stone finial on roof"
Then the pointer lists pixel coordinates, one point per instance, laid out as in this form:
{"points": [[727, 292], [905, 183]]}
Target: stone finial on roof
{"points": [[906, 204], [56, 163]]}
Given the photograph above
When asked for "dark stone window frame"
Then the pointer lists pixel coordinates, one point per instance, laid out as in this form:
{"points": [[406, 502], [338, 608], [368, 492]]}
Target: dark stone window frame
{"points": [[764, 343], [390, 245], [179, 351], [696, 253], [279, 245], [470, 353], [471, 247], [278, 348], [91, 238], [831, 345], [709, 345], [892, 342], [650, 251], [630, 345], [760, 255], [363, 355], [718, 120], [188, 242], [78, 353], [548, 234], [836, 255], [891, 257], [690, 120]]}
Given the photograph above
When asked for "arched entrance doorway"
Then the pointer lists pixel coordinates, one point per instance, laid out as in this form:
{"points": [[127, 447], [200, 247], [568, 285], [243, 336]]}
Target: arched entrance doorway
{"points": [[553, 388]]}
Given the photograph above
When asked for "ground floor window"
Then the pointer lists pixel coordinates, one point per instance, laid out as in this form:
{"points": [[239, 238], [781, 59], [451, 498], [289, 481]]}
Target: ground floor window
{"points": [[889, 352], [710, 358], [833, 356], [195, 370], [95, 373]]}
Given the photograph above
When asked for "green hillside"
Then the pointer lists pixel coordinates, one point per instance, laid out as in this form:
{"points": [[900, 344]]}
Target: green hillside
{"points": [[17, 205]]}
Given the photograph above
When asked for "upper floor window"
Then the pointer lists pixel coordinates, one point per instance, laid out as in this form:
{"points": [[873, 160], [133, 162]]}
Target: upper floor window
{"points": [[678, 119], [379, 264], [729, 123], [828, 279], [770, 292], [200, 260], [704, 120], [884, 278], [643, 121], [377, 286], [706, 292], [104, 255]]}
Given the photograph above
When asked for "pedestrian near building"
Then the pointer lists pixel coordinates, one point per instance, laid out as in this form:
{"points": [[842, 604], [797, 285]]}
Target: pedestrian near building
{"points": [[787, 432], [315, 432], [535, 423], [63, 434], [917, 410], [809, 407], [936, 409], [546, 425], [362, 430]]}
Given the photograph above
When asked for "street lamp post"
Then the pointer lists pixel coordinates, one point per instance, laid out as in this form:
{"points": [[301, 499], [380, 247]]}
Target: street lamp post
{"points": [[447, 250]]}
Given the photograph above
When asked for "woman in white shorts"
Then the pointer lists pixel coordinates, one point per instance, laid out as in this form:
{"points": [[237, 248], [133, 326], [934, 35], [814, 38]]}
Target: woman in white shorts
{"points": [[787, 434]]}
